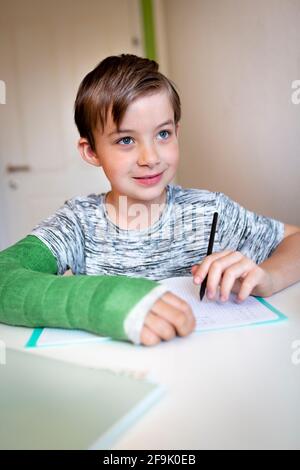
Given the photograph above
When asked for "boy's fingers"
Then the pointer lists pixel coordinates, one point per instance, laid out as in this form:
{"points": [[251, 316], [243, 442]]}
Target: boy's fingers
{"points": [[218, 268], [159, 326], [237, 285], [175, 301], [181, 305], [175, 311], [234, 272], [248, 285], [219, 254], [203, 268], [148, 338]]}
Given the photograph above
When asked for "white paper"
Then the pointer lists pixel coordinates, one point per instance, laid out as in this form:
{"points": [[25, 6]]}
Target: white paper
{"points": [[211, 315], [60, 336]]}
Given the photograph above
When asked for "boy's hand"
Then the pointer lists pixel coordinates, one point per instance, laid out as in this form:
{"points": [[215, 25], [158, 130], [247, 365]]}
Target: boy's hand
{"points": [[169, 316], [232, 271]]}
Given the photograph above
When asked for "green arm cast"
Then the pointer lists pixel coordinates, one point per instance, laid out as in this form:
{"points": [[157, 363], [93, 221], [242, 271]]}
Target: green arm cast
{"points": [[31, 294]]}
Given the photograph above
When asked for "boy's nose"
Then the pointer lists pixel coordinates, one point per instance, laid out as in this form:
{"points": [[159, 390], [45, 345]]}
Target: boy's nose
{"points": [[148, 156]]}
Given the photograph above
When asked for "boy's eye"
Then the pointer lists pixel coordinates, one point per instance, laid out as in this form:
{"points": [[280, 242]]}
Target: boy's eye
{"points": [[165, 132], [124, 140]]}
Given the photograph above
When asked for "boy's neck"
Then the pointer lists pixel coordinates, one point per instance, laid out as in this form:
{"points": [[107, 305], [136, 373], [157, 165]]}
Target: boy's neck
{"points": [[119, 212]]}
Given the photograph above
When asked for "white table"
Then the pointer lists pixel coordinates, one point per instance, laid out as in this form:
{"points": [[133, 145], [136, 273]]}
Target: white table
{"points": [[227, 389]]}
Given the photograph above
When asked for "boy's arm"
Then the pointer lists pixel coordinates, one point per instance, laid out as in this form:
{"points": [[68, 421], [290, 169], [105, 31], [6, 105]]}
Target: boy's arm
{"points": [[31, 294], [284, 264], [257, 255]]}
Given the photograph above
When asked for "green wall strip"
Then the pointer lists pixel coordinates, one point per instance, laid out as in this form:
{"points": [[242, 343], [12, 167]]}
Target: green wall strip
{"points": [[149, 29]]}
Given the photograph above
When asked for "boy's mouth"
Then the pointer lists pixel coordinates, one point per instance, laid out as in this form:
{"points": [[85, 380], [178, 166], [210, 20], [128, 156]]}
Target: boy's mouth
{"points": [[147, 176], [149, 180]]}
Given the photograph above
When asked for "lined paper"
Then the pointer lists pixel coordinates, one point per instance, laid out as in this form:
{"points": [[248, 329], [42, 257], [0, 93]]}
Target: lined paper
{"points": [[211, 315]]}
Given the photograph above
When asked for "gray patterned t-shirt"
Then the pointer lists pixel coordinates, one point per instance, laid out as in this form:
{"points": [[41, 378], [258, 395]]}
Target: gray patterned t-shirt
{"points": [[82, 237]]}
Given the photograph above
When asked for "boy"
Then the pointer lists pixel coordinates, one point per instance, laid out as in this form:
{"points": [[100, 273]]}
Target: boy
{"points": [[128, 114]]}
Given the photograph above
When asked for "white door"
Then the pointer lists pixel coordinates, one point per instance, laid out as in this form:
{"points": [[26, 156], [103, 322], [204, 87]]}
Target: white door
{"points": [[46, 48]]}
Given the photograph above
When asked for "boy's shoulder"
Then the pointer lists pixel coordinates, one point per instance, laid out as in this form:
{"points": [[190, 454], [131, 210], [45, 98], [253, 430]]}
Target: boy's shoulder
{"points": [[86, 209], [90, 201]]}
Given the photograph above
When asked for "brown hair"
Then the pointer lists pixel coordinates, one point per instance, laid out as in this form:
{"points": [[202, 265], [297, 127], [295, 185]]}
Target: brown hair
{"points": [[115, 83]]}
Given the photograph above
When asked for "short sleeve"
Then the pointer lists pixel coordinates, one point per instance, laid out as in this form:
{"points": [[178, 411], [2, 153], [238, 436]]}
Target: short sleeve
{"points": [[62, 233], [239, 229]]}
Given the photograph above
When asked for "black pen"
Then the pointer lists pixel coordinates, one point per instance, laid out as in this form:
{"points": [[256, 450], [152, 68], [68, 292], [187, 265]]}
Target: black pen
{"points": [[209, 250]]}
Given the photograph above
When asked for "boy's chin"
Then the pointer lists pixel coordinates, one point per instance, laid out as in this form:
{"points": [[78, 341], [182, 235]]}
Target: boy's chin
{"points": [[145, 193]]}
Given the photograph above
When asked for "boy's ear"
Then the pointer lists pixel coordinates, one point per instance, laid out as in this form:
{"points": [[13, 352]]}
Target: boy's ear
{"points": [[87, 153]]}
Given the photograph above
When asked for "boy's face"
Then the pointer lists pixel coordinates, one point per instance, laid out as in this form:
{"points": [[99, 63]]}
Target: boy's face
{"points": [[146, 148]]}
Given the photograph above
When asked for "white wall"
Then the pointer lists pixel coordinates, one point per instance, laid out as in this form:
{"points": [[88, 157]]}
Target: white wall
{"points": [[234, 62], [46, 48]]}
